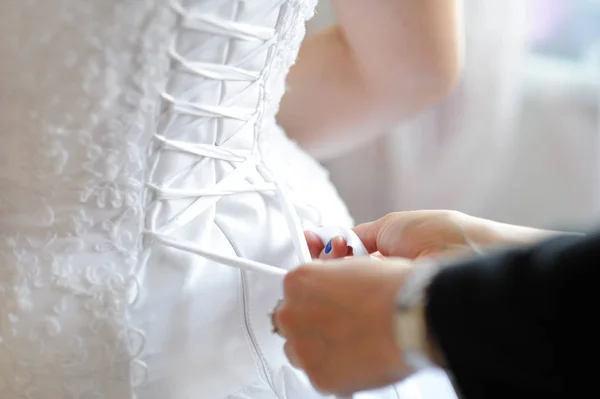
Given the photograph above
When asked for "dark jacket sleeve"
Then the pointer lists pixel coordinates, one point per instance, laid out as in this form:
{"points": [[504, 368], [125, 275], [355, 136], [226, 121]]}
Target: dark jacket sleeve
{"points": [[522, 323]]}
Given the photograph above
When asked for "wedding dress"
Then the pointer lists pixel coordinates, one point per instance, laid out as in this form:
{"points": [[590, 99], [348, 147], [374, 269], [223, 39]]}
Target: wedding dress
{"points": [[140, 160]]}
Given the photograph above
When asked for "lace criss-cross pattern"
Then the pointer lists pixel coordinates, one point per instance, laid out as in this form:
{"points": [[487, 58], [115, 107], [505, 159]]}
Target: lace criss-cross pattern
{"points": [[241, 160]]}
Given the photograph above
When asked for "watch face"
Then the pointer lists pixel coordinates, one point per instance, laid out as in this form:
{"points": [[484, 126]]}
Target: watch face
{"points": [[417, 360], [412, 292]]}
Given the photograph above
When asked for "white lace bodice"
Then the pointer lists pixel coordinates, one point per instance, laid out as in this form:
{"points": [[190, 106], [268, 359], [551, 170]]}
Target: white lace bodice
{"points": [[118, 118], [139, 161]]}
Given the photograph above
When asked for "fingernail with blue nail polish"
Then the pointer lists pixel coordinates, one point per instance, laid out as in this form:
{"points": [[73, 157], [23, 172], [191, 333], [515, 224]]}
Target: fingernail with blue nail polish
{"points": [[328, 247]]}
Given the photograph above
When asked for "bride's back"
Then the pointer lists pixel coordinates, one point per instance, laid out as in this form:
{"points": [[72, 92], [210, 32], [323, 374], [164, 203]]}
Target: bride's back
{"points": [[105, 106], [78, 89]]}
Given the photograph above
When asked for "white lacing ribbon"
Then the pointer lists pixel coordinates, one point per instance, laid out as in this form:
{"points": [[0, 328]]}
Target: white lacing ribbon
{"points": [[243, 161]]}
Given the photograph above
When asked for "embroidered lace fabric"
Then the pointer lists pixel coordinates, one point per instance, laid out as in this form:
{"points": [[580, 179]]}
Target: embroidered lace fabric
{"points": [[139, 162]]}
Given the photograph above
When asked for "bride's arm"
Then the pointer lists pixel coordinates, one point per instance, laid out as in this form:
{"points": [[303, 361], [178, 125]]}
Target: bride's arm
{"points": [[383, 62]]}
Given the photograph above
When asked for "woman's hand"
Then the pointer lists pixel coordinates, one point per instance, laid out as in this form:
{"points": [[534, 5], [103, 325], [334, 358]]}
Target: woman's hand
{"points": [[409, 235], [431, 233]]}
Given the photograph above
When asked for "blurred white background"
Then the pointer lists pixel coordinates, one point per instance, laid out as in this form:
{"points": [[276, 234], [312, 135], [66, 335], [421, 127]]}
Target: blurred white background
{"points": [[516, 142]]}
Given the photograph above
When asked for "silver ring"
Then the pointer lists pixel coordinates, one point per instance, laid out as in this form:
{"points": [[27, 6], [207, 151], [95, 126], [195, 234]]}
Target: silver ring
{"points": [[275, 329]]}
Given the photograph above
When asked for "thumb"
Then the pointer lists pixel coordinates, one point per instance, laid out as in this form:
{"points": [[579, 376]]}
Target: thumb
{"points": [[386, 235]]}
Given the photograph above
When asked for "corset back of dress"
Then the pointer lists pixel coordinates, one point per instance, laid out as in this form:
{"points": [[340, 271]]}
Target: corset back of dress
{"points": [[109, 112]]}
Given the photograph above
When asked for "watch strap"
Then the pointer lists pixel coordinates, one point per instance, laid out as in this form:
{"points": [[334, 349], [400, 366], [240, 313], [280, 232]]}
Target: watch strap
{"points": [[410, 321]]}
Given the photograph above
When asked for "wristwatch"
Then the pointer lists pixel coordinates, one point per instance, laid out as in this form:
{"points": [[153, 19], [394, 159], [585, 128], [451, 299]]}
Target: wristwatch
{"points": [[410, 324]]}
